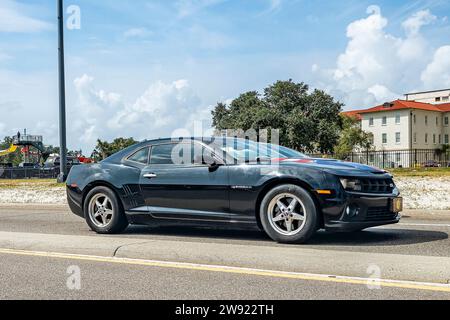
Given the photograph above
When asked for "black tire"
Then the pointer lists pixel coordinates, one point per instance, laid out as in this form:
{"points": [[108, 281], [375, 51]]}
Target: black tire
{"points": [[118, 221], [310, 225]]}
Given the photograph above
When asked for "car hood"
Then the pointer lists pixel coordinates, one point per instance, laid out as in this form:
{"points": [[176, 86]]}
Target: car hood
{"points": [[337, 167]]}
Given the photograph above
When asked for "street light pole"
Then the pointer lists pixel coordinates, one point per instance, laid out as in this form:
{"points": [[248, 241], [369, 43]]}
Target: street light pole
{"points": [[62, 95]]}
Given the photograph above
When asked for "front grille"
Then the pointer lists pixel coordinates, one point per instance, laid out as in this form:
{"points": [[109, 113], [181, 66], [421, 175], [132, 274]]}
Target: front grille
{"points": [[381, 186], [380, 214]]}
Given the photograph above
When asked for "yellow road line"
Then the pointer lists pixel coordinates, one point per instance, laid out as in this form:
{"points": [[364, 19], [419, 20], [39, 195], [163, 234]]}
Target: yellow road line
{"points": [[237, 270]]}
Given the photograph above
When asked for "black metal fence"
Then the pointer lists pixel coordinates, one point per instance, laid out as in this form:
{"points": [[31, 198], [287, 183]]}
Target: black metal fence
{"points": [[414, 158], [28, 173]]}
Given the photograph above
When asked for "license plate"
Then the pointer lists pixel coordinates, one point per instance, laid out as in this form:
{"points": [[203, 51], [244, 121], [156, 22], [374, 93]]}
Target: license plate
{"points": [[397, 205]]}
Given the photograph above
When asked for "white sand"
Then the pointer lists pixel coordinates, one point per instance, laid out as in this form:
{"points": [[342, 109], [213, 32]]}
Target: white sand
{"points": [[425, 193], [40, 195]]}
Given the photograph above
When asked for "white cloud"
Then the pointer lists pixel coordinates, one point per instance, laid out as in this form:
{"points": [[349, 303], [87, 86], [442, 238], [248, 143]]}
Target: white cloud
{"points": [[4, 57], [413, 24], [161, 109], [207, 39], [437, 73], [275, 5], [12, 19], [137, 33], [377, 66], [94, 109], [189, 7], [381, 93]]}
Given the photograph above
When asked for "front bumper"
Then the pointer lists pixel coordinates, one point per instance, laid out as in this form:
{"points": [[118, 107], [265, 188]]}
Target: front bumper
{"points": [[352, 212]]}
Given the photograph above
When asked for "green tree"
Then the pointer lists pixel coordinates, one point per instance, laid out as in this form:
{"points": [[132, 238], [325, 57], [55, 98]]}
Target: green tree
{"points": [[105, 149], [307, 121], [352, 137]]}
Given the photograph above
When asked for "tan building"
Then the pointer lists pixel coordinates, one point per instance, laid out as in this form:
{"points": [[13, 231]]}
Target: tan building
{"points": [[420, 122], [433, 97]]}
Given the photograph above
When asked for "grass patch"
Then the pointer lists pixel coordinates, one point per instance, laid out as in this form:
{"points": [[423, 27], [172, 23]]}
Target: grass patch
{"points": [[421, 172], [30, 183]]}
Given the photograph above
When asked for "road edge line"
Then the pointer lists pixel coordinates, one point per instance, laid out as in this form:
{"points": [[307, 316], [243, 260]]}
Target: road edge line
{"points": [[428, 286]]}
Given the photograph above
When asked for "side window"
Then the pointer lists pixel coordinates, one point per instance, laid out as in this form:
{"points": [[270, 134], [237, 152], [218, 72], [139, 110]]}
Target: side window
{"points": [[202, 155], [172, 153], [162, 154], [179, 154], [140, 156]]}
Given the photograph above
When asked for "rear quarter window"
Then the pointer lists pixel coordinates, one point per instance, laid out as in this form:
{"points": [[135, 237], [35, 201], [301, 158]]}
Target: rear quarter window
{"points": [[140, 156]]}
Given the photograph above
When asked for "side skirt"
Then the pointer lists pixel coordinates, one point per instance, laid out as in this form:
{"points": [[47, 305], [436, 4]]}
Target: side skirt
{"points": [[147, 215]]}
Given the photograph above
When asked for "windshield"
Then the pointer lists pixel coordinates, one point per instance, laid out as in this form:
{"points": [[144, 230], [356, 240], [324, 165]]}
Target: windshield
{"points": [[290, 153], [250, 151]]}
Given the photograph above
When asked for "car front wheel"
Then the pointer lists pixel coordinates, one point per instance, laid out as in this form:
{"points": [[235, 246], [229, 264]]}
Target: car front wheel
{"points": [[103, 212], [289, 215]]}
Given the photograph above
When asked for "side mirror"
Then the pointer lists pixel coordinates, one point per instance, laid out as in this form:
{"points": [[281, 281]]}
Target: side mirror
{"points": [[210, 161]]}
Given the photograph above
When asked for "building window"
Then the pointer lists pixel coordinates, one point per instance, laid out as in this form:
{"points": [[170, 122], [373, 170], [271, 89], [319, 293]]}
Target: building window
{"points": [[397, 119], [426, 138], [384, 122], [446, 121], [397, 137], [371, 122], [398, 157], [426, 120], [384, 137], [434, 138], [415, 137], [437, 99], [446, 141]]}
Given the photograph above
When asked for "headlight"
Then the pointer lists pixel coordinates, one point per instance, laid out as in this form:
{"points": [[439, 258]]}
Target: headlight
{"points": [[351, 184]]}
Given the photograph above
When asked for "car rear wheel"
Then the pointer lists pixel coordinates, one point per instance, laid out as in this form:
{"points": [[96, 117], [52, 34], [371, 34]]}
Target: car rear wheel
{"points": [[103, 212], [289, 215]]}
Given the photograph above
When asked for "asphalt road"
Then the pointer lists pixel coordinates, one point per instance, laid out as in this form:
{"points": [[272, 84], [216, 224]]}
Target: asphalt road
{"points": [[44, 247]]}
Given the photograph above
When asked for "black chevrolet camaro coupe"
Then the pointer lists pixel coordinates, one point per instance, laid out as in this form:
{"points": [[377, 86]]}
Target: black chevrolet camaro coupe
{"points": [[235, 181]]}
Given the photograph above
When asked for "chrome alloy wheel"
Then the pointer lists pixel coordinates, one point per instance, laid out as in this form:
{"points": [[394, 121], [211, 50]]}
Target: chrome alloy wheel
{"points": [[101, 210], [287, 214]]}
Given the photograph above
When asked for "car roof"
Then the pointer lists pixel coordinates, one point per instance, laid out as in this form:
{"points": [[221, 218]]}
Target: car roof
{"points": [[204, 139]]}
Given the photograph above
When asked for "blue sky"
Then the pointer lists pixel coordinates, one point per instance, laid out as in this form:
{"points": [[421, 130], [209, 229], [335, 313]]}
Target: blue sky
{"points": [[144, 68]]}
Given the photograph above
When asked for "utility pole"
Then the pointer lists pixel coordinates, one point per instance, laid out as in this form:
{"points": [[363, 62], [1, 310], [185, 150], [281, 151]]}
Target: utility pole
{"points": [[62, 95]]}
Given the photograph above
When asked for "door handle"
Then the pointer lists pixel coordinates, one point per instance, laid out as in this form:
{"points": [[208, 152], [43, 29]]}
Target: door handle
{"points": [[150, 175]]}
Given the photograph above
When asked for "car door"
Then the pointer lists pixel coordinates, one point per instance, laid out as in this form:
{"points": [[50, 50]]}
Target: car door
{"points": [[186, 189]]}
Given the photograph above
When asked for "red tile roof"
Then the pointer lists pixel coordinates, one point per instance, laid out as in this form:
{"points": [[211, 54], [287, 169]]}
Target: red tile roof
{"points": [[352, 114], [401, 105], [445, 107]]}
